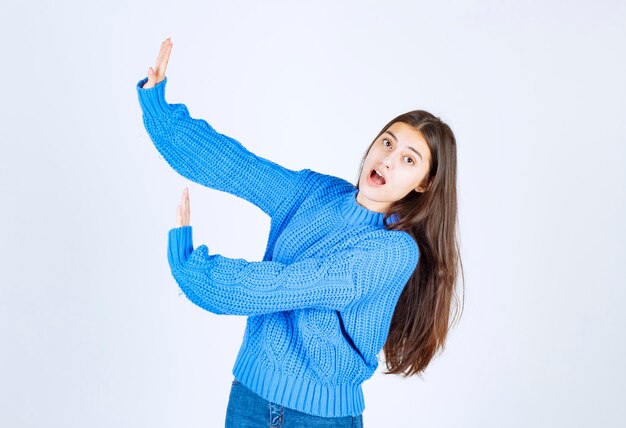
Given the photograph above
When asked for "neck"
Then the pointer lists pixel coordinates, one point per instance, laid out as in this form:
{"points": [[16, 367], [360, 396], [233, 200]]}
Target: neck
{"points": [[355, 213], [378, 207]]}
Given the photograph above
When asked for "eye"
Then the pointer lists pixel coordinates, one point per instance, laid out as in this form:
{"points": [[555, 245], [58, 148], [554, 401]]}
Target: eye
{"points": [[411, 159], [384, 139]]}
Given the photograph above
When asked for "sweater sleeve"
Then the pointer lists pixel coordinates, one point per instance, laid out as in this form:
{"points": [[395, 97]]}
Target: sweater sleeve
{"points": [[238, 287], [198, 152]]}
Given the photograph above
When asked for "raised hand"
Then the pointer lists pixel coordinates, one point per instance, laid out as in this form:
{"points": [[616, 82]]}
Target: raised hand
{"points": [[182, 212], [157, 74]]}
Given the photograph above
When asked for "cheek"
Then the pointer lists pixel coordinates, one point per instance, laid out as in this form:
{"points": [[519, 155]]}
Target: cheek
{"points": [[415, 179], [421, 174]]}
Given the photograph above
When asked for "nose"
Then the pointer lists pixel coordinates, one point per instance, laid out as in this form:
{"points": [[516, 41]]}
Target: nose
{"points": [[386, 162]]}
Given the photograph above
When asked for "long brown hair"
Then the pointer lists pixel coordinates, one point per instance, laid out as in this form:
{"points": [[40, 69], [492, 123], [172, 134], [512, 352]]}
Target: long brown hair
{"points": [[421, 319]]}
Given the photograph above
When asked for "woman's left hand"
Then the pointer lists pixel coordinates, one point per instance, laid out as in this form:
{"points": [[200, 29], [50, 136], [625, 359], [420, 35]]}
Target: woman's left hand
{"points": [[182, 213]]}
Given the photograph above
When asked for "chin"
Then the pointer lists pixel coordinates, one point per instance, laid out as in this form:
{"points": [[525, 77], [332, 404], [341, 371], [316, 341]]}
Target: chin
{"points": [[373, 194]]}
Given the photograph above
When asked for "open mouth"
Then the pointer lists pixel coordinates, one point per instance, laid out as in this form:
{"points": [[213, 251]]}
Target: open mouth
{"points": [[376, 179]]}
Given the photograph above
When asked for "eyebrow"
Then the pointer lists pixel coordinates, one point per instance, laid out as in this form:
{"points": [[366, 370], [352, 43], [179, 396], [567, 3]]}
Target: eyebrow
{"points": [[395, 138]]}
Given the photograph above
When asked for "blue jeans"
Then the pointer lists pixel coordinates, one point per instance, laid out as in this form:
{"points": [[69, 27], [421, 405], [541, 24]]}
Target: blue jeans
{"points": [[247, 410]]}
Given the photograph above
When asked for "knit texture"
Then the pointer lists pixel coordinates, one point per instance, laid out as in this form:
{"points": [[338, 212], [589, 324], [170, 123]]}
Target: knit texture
{"points": [[320, 303]]}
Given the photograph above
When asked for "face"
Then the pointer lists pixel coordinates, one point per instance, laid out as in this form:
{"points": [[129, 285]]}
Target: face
{"points": [[402, 156]]}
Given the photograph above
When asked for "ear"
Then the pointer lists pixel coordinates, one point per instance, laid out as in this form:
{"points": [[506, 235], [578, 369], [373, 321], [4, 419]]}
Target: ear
{"points": [[421, 188]]}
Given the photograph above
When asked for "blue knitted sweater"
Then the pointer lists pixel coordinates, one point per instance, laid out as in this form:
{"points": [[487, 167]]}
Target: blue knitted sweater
{"points": [[319, 304]]}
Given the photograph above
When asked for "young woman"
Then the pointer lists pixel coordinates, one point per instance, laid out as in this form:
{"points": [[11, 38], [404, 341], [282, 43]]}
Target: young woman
{"points": [[349, 270]]}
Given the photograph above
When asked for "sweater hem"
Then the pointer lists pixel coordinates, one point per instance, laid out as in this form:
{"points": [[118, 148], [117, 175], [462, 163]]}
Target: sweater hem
{"points": [[299, 394]]}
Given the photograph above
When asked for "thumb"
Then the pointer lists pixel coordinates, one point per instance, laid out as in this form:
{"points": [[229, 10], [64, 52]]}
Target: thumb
{"points": [[152, 78]]}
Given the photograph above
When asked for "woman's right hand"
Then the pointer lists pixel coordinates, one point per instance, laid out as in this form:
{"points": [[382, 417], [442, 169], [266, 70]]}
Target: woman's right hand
{"points": [[157, 74]]}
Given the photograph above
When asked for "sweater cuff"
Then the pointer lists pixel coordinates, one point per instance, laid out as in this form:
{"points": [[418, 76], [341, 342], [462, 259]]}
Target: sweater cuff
{"points": [[180, 246], [152, 100]]}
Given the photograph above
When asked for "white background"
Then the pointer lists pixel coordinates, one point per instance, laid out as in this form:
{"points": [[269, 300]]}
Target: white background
{"points": [[94, 332]]}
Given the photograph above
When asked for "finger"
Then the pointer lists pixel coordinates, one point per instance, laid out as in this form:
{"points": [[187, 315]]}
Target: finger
{"points": [[166, 55], [185, 207], [157, 65], [185, 211], [151, 79], [163, 57], [161, 51], [179, 217]]}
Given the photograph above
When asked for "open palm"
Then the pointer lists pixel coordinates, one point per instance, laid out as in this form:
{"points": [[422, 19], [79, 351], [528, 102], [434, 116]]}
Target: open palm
{"points": [[182, 212], [157, 74]]}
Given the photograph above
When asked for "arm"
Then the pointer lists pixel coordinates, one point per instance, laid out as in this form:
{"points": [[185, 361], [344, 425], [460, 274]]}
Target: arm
{"points": [[197, 152], [237, 287]]}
